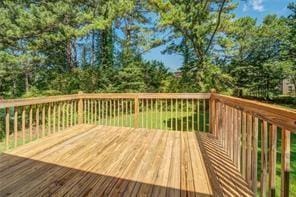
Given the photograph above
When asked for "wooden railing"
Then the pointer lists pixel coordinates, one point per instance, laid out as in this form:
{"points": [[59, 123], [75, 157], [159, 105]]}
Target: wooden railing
{"points": [[29, 119], [248, 128], [25, 120], [244, 128], [184, 112]]}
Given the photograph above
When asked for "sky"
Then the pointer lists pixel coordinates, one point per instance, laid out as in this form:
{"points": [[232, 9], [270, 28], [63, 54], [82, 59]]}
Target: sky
{"points": [[254, 8]]}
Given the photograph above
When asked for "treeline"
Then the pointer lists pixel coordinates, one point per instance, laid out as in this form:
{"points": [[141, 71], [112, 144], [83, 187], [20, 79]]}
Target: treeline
{"points": [[63, 46]]}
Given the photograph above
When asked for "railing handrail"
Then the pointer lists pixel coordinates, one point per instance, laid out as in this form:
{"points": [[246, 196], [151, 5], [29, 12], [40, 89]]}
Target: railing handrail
{"points": [[49, 99], [282, 117], [36, 100], [147, 95]]}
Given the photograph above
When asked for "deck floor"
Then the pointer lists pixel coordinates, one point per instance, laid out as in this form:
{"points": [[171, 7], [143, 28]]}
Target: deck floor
{"points": [[111, 161]]}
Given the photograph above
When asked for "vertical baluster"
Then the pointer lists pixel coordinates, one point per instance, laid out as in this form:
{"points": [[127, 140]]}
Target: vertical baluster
{"points": [[71, 113], [166, 114], [192, 115], [254, 156], [88, 111], [285, 160], [223, 124], [85, 111], [231, 133], [161, 114], [30, 122], [249, 149], [91, 111], [111, 112], [147, 114], [126, 112], [63, 115], [100, 111], [204, 115], [182, 128], [54, 117], [97, 122], [103, 108], [272, 159], [136, 108], [244, 130], [235, 139], [187, 116], [156, 114], [172, 117], [43, 120], [132, 112], [176, 115], [24, 124], [67, 114], [49, 118], [59, 117], [15, 126], [264, 158], [142, 112], [239, 145], [106, 111], [151, 112], [217, 120], [198, 115], [37, 121], [96, 112], [227, 129], [122, 113], [7, 128]]}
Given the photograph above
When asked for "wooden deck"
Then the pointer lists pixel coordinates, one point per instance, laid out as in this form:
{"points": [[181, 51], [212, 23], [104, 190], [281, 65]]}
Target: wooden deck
{"points": [[99, 160]]}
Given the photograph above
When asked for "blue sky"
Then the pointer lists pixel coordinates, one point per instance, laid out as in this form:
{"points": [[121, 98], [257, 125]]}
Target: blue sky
{"points": [[254, 8]]}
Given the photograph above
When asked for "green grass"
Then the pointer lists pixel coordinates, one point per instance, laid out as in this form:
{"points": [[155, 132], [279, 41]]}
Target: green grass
{"points": [[160, 120]]}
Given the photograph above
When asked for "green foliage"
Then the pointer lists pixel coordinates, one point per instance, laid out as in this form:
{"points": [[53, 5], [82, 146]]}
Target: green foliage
{"points": [[61, 47]]}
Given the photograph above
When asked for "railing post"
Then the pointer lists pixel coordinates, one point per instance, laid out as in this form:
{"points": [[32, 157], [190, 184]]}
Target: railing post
{"points": [[285, 161], [80, 108], [136, 118], [212, 111]]}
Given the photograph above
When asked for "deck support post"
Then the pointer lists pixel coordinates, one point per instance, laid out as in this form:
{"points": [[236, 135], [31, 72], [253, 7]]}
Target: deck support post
{"points": [[212, 111], [80, 109]]}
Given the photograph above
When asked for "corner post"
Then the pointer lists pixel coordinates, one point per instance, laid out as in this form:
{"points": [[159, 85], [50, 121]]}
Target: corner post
{"points": [[136, 118], [80, 108], [212, 111]]}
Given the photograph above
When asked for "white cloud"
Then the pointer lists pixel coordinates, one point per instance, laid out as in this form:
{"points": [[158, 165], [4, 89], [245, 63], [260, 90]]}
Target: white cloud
{"points": [[257, 5]]}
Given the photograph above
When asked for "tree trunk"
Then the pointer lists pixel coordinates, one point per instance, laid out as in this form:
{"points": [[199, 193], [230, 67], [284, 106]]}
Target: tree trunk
{"points": [[92, 48], [69, 55], [14, 87], [27, 85]]}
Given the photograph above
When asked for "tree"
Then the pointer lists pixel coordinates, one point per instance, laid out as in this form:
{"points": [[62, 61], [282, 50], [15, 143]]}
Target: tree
{"points": [[253, 54], [291, 45], [196, 24]]}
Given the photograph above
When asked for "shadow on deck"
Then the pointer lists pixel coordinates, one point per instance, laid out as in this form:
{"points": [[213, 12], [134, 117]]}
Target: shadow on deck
{"points": [[224, 175], [113, 161]]}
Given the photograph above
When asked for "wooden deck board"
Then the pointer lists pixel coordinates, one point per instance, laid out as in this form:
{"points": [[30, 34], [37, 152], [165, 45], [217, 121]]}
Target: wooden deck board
{"points": [[225, 177], [94, 161]]}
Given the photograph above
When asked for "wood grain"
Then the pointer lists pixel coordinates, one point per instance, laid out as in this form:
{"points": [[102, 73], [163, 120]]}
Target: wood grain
{"points": [[110, 161]]}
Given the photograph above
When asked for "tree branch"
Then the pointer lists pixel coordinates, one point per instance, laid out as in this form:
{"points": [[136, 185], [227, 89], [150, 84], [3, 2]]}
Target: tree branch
{"points": [[217, 26]]}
